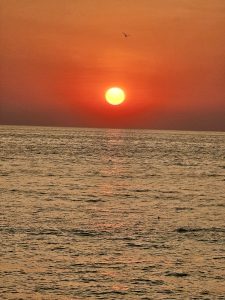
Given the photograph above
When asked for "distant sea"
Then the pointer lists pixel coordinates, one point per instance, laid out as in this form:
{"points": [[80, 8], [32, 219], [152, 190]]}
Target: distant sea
{"points": [[111, 214]]}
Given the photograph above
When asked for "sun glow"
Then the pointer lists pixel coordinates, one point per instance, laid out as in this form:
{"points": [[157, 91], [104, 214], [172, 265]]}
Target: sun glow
{"points": [[115, 96]]}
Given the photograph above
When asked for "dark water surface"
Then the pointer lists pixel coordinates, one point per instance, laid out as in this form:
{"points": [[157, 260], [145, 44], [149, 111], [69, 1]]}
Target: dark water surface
{"points": [[111, 214]]}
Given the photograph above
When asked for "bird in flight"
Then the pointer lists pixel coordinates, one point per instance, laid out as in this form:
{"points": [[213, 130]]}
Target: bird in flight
{"points": [[125, 34]]}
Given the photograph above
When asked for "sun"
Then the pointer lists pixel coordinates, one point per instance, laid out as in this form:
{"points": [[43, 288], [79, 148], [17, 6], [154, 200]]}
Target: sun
{"points": [[115, 96]]}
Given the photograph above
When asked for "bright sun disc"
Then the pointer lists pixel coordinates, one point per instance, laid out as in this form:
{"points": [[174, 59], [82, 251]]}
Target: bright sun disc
{"points": [[115, 96]]}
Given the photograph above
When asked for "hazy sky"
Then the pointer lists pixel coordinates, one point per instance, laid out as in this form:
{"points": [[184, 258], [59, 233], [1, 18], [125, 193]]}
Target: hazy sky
{"points": [[57, 58]]}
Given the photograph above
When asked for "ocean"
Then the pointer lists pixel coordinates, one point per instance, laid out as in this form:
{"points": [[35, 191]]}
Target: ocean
{"points": [[111, 214]]}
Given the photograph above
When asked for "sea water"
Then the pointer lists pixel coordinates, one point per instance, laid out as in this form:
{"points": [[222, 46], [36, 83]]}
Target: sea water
{"points": [[111, 214]]}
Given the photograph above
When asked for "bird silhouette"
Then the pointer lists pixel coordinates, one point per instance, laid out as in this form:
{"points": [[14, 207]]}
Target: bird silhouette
{"points": [[125, 34]]}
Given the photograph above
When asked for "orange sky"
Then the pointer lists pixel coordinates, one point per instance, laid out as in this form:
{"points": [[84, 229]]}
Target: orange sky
{"points": [[57, 58]]}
